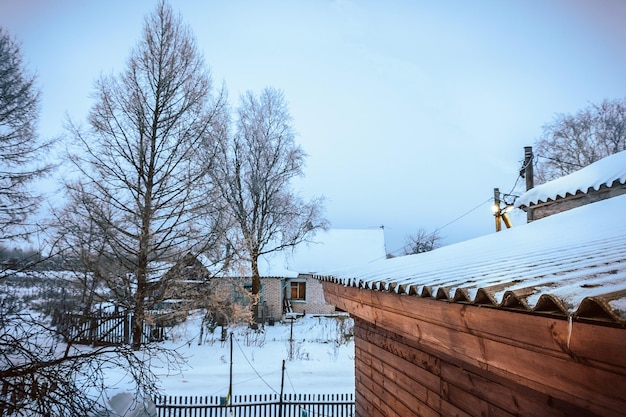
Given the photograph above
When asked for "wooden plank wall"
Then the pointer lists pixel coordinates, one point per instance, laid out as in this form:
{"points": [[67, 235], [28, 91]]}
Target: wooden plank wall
{"points": [[395, 377], [420, 356]]}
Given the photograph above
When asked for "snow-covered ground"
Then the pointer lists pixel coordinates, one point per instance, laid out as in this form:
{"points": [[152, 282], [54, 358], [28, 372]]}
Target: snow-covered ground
{"points": [[322, 359]]}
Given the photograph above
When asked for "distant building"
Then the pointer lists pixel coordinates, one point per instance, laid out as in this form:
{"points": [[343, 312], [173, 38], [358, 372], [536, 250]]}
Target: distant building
{"points": [[287, 285]]}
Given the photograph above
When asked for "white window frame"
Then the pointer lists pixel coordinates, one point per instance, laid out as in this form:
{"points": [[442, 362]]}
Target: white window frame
{"points": [[298, 281]]}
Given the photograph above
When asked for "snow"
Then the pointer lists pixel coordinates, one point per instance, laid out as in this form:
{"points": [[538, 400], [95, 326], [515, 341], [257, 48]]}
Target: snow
{"points": [[326, 250], [323, 360], [571, 255], [603, 172], [338, 248]]}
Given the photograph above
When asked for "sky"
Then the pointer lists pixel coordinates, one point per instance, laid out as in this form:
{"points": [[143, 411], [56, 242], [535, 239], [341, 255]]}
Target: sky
{"points": [[411, 112]]}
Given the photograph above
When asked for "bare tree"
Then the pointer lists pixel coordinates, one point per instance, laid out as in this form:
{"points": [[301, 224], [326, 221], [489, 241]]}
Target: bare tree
{"points": [[133, 206], [142, 181], [91, 260], [20, 148], [422, 241], [254, 176], [44, 375], [573, 141]]}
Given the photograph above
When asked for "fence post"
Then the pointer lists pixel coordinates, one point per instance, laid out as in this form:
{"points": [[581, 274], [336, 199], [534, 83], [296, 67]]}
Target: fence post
{"points": [[282, 384], [127, 326]]}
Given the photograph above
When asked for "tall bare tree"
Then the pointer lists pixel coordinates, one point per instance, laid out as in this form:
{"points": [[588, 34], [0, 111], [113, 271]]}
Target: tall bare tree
{"points": [[573, 141], [141, 176], [254, 176], [20, 148], [140, 181]]}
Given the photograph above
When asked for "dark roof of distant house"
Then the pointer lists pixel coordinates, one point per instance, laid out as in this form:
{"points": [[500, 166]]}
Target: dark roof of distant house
{"points": [[603, 173], [571, 264]]}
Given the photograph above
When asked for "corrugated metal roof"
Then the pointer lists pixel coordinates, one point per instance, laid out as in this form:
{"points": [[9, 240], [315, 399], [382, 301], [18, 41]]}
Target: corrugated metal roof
{"points": [[569, 264], [604, 172]]}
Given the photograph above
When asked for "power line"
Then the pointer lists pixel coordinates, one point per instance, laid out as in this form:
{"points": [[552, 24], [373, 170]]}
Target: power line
{"points": [[447, 224], [464, 214], [254, 369], [299, 403], [561, 162]]}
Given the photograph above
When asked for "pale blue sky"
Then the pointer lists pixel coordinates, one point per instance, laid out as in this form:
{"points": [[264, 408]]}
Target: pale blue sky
{"points": [[411, 111]]}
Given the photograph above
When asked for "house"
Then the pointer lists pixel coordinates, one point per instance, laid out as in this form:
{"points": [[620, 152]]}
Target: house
{"points": [[287, 285], [330, 250], [287, 279], [603, 179], [527, 322]]}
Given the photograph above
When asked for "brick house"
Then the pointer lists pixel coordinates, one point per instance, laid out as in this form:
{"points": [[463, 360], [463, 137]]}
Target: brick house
{"points": [[331, 250], [529, 322], [287, 283]]}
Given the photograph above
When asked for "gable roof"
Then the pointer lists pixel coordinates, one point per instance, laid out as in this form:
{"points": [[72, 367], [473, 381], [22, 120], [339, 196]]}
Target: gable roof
{"points": [[338, 248], [604, 172], [326, 250], [569, 264]]}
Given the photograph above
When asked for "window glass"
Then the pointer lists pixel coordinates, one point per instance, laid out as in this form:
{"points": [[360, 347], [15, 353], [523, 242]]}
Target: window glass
{"points": [[298, 290]]}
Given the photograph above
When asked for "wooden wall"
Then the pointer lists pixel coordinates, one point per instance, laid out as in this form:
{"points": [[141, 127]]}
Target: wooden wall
{"points": [[423, 357], [560, 205], [395, 377]]}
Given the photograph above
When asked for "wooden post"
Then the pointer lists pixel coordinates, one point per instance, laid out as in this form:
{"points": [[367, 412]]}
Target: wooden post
{"points": [[127, 325], [496, 209], [282, 384], [529, 175], [507, 221], [230, 382], [290, 353]]}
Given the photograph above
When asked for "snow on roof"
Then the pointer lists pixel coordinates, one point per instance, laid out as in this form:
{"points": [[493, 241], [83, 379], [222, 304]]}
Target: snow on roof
{"points": [[274, 265], [338, 248], [571, 263], [326, 250], [603, 172]]}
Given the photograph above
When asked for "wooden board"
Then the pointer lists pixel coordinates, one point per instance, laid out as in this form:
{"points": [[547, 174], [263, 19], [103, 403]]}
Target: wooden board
{"points": [[497, 342]]}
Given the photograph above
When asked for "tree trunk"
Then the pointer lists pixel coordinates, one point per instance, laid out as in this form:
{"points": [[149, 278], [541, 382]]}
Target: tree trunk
{"points": [[256, 291], [142, 274]]}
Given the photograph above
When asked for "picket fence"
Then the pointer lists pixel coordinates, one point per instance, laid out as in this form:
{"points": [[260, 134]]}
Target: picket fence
{"points": [[265, 405]]}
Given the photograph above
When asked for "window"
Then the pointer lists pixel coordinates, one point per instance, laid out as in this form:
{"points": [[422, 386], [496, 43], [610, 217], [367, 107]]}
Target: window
{"points": [[298, 290]]}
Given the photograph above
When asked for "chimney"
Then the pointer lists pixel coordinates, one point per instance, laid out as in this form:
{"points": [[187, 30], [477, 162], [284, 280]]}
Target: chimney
{"points": [[527, 172], [528, 167]]}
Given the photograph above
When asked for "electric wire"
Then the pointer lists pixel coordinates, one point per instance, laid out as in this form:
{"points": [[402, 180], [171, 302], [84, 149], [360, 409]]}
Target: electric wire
{"points": [[522, 170], [241, 382], [449, 223], [254, 369], [264, 381], [561, 162], [295, 393], [464, 214]]}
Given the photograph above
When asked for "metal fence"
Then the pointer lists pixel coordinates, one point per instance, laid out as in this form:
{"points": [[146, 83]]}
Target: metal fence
{"points": [[267, 405]]}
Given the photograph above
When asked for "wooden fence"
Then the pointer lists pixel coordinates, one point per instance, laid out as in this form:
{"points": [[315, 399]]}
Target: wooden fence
{"points": [[268, 405], [104, 329]]}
